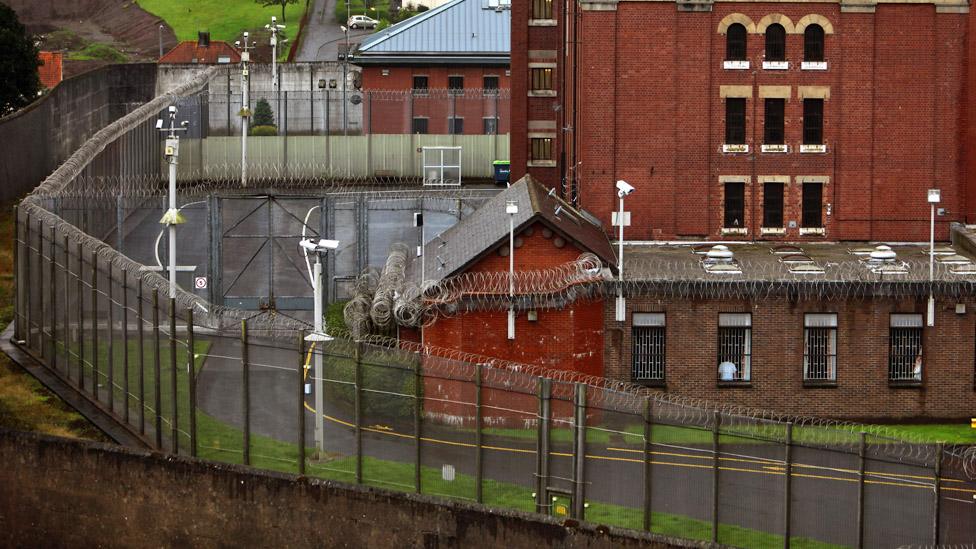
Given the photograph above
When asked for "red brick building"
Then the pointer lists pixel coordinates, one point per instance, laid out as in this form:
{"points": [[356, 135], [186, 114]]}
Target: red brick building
{"points": [[444, 71], [791, 121], [204, 51]]}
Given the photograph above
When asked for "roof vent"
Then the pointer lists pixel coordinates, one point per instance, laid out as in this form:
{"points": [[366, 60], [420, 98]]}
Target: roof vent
{"points": [[882, 254], [719, 254], [203, 39], [720, 260]]}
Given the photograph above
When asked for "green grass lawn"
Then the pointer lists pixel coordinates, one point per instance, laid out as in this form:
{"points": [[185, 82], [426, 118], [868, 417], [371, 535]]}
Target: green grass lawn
{"points": [[225, 19], [377, 9], [952, 433]]}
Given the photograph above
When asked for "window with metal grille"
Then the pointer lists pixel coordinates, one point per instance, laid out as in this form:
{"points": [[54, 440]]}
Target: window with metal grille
{"points": [[490, 85], [905, 347], [541, 148], [455, 84], [647, 347], [813, 121], [541, 9], [773, 205], [734, 347], [420, 85], [775, 43], [455, 126], [420, 125], [812, 206], [773, 123], [735, 120], [541, 79], [490, 126], [735, 43], [813, 43], [820, 347], [735, 204]]}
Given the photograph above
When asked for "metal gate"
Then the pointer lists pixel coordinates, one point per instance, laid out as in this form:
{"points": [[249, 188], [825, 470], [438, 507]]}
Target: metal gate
{"points": [[261, 264]]}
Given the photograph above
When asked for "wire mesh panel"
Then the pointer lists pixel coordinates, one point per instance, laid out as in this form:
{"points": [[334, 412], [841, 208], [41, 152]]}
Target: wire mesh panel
{"points": [[274, 401], [823, 493], [892, 485], [219, 394], [333, 451]]}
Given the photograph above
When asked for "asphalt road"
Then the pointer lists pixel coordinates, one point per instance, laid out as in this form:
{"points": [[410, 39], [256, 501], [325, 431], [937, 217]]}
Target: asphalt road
{"points": [[322, 35], [898, 497]]}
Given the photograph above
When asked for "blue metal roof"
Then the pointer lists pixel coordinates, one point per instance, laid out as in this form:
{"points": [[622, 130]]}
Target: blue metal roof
{"points": [[459, 27]]}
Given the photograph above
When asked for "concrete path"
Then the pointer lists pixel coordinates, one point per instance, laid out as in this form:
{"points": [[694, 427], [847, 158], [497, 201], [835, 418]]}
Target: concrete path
{"points": [[322, 35]]}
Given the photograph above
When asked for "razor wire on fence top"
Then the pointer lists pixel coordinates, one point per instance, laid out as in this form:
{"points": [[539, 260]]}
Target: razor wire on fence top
{"points": [[441, 421]]}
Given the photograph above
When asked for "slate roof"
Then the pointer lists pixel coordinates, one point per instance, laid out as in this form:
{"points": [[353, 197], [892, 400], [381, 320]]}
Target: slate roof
{"points": [[460, 31], [478, 234]]}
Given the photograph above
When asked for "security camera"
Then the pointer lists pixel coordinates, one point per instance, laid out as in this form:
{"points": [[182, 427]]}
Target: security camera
{"points": [[320, 246], [185, 123], [274, 19], [172, 109], [237, 44], [624, 188], [246, 34]]}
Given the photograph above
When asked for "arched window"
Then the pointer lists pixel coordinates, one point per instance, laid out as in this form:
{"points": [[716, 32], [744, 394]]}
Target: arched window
{"points": [[735, 44], [775, 43], [813, 43]]}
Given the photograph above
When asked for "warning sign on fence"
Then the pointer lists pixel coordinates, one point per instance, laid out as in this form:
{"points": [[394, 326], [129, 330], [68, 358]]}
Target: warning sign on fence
{"points": [[200, 282]]}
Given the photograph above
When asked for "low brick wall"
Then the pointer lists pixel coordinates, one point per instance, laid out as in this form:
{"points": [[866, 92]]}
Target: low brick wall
{"points": [[74, 493]]}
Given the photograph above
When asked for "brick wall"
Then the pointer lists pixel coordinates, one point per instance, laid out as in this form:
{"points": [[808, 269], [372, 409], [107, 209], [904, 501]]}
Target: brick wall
{"points": [[862, 389], [79, 494], [649, 111]]}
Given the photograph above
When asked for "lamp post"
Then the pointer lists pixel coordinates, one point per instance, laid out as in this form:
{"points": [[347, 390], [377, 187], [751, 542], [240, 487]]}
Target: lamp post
{"points": [[318, 334], [345, 77], [623, 189], [245, 105], [274, 27], [160, 41], [934, 197], [511, 208], [172, 217]]}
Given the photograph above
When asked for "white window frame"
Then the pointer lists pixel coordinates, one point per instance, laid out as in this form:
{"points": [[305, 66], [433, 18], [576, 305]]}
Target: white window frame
{"points": [[820, 321], [738, 321], [655, 339]]}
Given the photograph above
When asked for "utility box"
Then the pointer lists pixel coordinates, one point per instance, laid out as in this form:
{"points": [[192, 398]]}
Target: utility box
{"points": [[503, 170]]}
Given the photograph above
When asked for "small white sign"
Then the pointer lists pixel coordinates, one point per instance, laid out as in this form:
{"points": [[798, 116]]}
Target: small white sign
{"points": [[447, 472], [200, 282], [615, 221]]}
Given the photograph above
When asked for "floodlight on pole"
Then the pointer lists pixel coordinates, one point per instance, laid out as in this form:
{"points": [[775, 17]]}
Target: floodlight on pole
{"points": [[345, 78], [318, 335], [511, 208], [172, 217], [934, 196], [274, 27], [245, 103], [623, 189]]}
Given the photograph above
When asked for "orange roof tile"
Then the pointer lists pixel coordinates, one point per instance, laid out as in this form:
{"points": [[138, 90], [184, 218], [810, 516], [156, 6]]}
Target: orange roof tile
{"points": [[191, 52], [51, 70]]}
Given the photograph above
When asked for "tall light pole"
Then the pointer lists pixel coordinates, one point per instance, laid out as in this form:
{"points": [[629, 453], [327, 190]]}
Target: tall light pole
{"points": [[172, 217], [511, 208], [623, 189], [160, 41], [345, 77], [318, 335], [245, 104], [935, 196], [274, 27]]}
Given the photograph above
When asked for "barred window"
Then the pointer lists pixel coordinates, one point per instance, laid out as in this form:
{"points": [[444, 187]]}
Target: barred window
{"points": [[489, 126], [812, 207], [735, 204], [820, 347], [420, 125], [735, 120], [775, 43], [648, 346], [541, 79], [541, 9], [735, 43], [541, 148], [813, 121], [734, 347], [774, 119], [420, 85], [455, 125], [813, 43], [905, 347], [773, 205], [455, 85], [490, 85]]}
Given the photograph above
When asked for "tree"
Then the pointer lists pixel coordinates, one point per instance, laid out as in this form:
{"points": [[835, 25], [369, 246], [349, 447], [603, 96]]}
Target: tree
{"points": [[262, 114], [19, 83], [281, 3]]}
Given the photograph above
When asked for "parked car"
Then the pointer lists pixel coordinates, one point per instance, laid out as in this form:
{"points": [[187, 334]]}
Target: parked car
{"points": [[362, 22]]}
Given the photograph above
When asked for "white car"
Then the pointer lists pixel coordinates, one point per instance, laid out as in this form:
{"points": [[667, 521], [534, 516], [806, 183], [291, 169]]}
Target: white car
{"points": [[362, 22]]}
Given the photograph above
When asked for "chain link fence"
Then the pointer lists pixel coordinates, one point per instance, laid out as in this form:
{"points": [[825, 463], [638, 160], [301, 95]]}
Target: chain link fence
{"points": [[203, 379]]}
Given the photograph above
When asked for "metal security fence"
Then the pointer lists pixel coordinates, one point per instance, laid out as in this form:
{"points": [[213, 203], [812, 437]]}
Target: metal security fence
{"points": [[196, 377]]}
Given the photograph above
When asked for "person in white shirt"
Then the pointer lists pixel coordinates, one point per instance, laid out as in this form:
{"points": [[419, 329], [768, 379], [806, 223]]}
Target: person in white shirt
{"points": [[727, 371]]}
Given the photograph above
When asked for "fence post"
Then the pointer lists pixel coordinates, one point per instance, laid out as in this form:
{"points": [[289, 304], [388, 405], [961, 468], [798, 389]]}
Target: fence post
{"points": [[716, 418], [157, 396], [65, 308], [110, 355], [647, 463], [94, 322], [18, 312], [27, 276], [301, 402], [937, 511], [417, 421], [175, 403], [191, 371], [52, 263], [542, 447], [479, 466], [860, 489], [579, 453], [788, 488], [358, 401], [81, 318], [125, 345], [246, 397], [40, 285], [140, 320]]}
